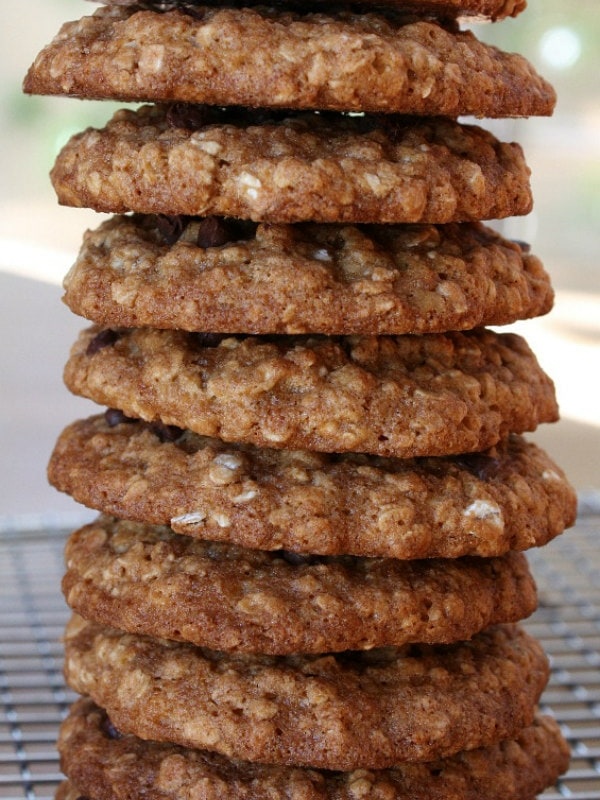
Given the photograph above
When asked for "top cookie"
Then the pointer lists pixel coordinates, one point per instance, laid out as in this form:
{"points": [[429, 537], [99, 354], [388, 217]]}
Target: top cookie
{"points": [[269, 57], [484, 9], [286, 167]]}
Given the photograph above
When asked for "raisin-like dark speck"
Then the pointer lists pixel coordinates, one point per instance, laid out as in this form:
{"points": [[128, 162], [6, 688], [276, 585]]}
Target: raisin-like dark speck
{"points": [[171, 227], [166, 433], [115, 416], [103, 339], [110, 730]]}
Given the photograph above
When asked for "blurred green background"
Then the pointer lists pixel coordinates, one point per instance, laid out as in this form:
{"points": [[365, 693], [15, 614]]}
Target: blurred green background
{"points": [[38, 240]]}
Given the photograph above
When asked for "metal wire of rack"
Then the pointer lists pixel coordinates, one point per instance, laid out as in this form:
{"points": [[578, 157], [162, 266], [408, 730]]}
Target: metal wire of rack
{"points": [[34, 699]]}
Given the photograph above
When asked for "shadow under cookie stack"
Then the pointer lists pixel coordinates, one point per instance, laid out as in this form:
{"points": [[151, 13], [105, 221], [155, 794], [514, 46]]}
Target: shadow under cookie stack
{"points": [[307, 575]]}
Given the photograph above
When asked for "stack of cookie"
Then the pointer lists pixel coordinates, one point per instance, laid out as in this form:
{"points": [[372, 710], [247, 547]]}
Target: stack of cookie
{"points": [[306, 579]]}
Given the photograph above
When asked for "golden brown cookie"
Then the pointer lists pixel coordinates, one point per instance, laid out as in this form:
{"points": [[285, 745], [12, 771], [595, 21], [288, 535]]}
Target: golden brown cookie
{"points": [[511, 497], [222, 275], [106, 765], [404, 396], [290, 167], [272, 57], [149, 580], [371, 709]]}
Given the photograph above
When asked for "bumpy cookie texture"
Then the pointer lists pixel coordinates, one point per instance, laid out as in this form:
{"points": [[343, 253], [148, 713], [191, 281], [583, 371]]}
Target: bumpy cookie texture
{"points": [[371, 709], [269, 57], [404, 396], [298, 167], [488, 9], [149, 580], [99, 761], [511, 497], [214, 274]]}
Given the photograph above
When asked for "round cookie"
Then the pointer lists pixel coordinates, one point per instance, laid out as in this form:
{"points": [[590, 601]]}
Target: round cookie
{"points": [[273, 57], [486, 9], [371, 709], [149, 580], [99, 760], [225, 276], [511, 497], [405, 396], [292, 167]]}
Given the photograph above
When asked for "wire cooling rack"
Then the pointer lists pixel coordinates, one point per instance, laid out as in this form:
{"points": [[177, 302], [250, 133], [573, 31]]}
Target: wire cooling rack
{"points": [[34, 699]]}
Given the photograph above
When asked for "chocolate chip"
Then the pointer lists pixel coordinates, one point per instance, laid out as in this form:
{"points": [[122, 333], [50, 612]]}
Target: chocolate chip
{"points": [[217, 231], [203, 340], [105, 338], [483, 466], [297, 559], [166, 433], [192, 117], [214, 232], [171, 228], [110, 730], [114, 416]]}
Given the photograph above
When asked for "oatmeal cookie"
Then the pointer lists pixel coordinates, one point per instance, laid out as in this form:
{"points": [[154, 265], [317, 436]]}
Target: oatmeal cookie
{"points": [[227, 276], [99, 759], [511, 497], [292, 167], [273, 57], [404, 396], [149, 580], [371, 709]]}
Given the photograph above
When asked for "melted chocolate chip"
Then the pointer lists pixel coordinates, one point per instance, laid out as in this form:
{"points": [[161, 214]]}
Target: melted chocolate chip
{"points": [[192, 117], [171, 228], [297, 559], [110, 730], [214, 232], [204, 340], [217, 231], [483, 466], [114, 417], [103, 339], [166, 433]]}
